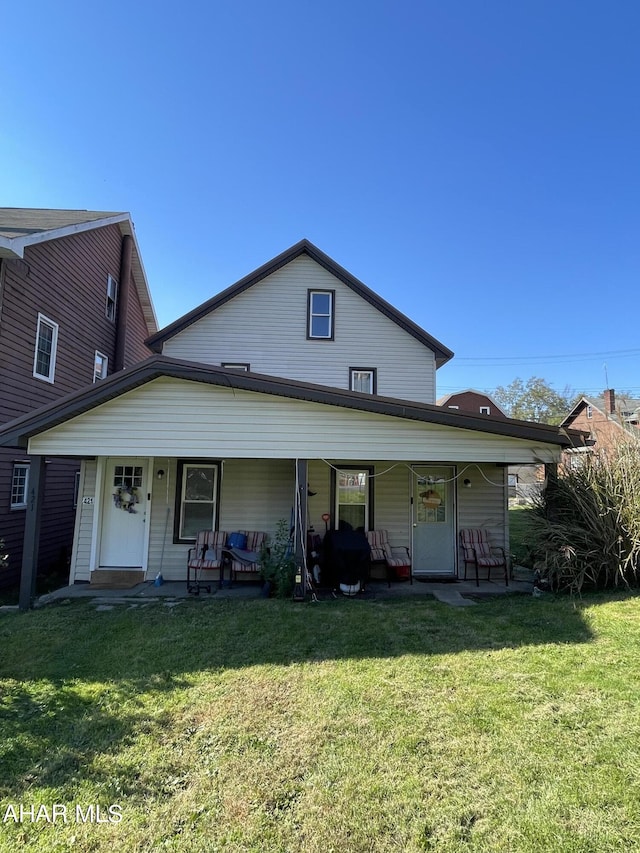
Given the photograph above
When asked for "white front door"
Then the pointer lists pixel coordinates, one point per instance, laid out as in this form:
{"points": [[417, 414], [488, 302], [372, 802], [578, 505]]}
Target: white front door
{"points": [[124, 511], [434, 543]]}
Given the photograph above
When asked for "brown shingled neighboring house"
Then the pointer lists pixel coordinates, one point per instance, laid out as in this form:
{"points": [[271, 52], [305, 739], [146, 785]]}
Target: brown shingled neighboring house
{"points": [[472, 401], [74, 308]]}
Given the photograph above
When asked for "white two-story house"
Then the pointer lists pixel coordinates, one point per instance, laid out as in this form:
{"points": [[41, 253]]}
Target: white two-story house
{"points": [[296, 393]]}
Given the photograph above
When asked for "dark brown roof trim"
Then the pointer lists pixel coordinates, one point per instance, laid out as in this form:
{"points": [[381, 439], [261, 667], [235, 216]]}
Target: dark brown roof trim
{"points": [[443, 353], [18, 432]]}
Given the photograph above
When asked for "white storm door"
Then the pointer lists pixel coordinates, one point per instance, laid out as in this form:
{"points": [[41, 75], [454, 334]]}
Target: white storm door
{"points": [[124, 511], [434, 545]]}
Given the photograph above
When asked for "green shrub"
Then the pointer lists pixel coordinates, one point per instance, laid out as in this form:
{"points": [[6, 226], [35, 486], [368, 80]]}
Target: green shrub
{"points": [[586, 527], [278, 563]]}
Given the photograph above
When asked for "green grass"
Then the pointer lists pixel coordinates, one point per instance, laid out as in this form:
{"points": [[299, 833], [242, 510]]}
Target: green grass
{"points": [[340, 726]]}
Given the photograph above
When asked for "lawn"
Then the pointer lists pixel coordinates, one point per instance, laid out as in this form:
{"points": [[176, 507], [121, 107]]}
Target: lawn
{"points": [[339, 726]]}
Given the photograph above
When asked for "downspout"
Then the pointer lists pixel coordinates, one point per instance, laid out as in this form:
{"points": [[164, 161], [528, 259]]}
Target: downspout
{"points": [[123, 301]]}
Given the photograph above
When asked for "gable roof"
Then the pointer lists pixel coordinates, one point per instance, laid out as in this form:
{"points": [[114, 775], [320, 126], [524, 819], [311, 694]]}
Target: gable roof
{"points": [[304, 247], [18, 432], [623, 404], [442, 401], [21, 227]]}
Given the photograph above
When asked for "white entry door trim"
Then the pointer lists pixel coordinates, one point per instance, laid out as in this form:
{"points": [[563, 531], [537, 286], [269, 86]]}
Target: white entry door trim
{"points": [[130, 548]]}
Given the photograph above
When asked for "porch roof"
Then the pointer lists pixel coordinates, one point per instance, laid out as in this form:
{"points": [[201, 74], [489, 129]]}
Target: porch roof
{"points": [[18, 432]]}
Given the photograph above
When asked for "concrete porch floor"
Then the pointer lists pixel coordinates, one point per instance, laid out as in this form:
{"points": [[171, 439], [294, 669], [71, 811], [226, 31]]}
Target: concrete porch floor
{"points": [[459, 593]]}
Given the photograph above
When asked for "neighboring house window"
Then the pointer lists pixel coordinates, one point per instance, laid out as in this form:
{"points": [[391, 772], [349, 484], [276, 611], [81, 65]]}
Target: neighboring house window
{"points": [[353, 498], [44, 362], [363, 379], [112, 297], [485, 410], [453, 407], [320, 314], [19, 484], [198, 487], [100, 366], [589, 412], [236, 365]]}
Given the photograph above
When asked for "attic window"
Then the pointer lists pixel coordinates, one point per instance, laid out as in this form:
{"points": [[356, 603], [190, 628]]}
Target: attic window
{"points": [[320, 311], [589, 412], [485, 410]]}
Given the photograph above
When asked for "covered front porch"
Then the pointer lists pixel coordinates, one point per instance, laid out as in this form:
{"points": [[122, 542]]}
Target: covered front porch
{"points": [[170, 499], [169, 448]]}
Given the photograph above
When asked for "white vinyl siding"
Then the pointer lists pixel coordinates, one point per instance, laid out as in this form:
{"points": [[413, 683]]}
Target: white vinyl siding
{"points": [[81, 553], [172, 417], [254, 495], [265, 326], [484, 503]]}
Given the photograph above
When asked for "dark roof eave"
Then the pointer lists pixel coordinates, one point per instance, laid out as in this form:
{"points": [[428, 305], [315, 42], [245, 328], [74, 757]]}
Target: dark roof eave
{"points": [[443, 354], [18, 432]]}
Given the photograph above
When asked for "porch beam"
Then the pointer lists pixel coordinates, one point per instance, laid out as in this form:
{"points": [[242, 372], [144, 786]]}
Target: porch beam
{"points": [[301, 519], [31, 544]]}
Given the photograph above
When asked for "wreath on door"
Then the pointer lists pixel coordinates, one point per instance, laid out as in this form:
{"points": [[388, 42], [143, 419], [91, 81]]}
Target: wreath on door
{"points": [[431, 499], [126, 498]]}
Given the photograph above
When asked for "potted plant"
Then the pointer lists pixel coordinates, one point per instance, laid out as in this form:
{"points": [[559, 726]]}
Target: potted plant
{"points": [[277, 563]]}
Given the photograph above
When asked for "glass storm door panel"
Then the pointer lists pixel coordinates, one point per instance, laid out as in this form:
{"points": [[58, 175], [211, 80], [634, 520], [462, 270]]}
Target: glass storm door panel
{"points": [[124, 510], [434, 543]]}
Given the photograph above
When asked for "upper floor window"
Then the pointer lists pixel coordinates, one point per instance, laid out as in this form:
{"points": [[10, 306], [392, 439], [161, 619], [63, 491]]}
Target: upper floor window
{"points": [[44, 362], [320, 314], [363, 379], [485, 410], [100, 366], [112, 297], [236, 365], [19, 485], [589, 411]]}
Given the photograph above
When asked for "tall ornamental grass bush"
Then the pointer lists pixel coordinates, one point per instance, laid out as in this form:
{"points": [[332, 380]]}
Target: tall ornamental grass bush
{"points": [[586, 527]]}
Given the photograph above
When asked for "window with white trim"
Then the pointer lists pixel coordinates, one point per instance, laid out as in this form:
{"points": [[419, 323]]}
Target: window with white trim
{"points": [[353, 497], [100, 366], [198, 484], [44, 360], [589, 412], [320, 314], [363, 379], [19, 485], [485, 410], [112, 298]]}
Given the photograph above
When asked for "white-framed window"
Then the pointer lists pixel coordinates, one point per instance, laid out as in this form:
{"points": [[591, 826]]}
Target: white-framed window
{"points": [[320, 314], [44, 360], [19, 485], [363, 379], [589, 412], [485, 410], [353, 497], [453, 407], [100, 366], [198, 484], [112, 298], [236, 365]]}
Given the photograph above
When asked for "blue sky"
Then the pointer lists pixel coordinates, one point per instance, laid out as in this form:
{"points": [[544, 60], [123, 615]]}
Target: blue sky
{"points": [[476, 162]]}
